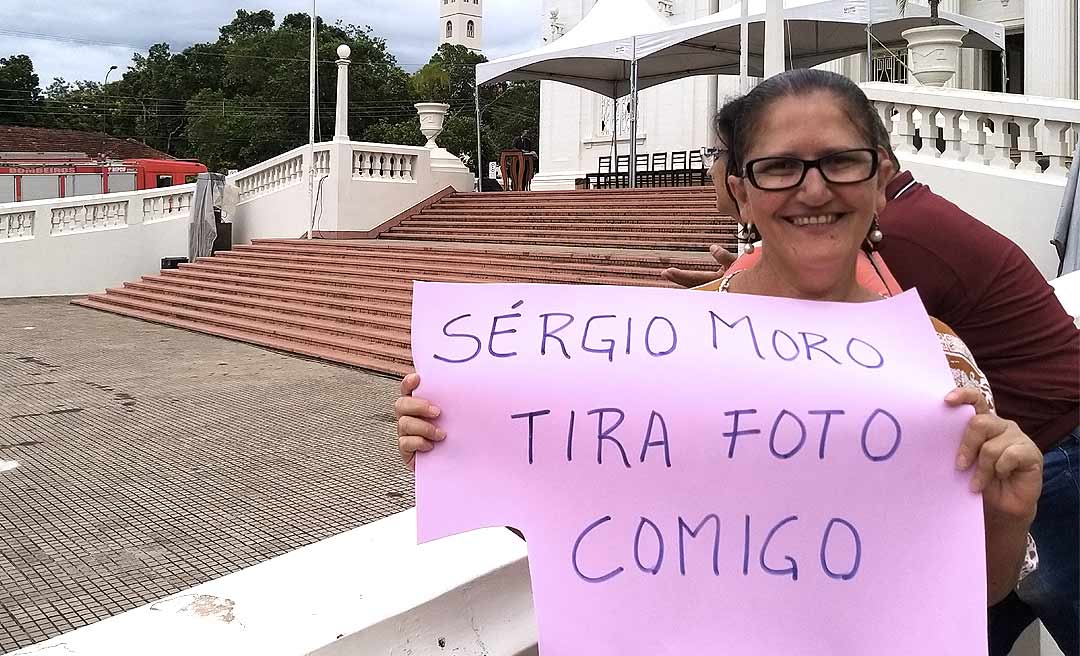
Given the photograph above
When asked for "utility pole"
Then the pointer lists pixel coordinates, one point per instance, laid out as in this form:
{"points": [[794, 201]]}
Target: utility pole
{"points": [[104, 108], [313, 56]]}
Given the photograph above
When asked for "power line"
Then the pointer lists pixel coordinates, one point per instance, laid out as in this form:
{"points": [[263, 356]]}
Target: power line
{"points": [[187, 52]]}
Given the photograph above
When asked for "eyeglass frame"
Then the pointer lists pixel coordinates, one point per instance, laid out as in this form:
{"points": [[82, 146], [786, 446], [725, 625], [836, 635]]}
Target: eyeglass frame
{"points": [[808, 164], [710, 155]]}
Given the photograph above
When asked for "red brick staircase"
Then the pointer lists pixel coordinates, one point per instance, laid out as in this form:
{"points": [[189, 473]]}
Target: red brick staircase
{"points": [[348, 301]]}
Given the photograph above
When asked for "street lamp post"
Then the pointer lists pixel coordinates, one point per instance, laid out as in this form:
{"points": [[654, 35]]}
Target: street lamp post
{"points": [[104, 109]]}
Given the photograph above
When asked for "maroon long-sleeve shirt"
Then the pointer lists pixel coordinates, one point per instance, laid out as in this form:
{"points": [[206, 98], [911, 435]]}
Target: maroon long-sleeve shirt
{"points": [[987, 290]]}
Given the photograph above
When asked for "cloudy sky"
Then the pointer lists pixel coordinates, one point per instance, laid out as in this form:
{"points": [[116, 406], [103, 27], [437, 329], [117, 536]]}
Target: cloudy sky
{"points": [[80, 39]]}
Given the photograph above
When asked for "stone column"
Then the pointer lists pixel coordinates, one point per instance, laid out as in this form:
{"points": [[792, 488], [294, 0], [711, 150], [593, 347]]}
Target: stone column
{"points": [[774, 37], [341, 120], [1050, 34]]}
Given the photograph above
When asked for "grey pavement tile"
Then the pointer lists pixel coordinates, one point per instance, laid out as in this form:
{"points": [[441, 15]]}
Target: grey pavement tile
{"points": [[152, 459]]}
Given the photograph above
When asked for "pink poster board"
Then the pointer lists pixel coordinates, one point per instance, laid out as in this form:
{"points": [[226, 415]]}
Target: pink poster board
{"points": [[703, 473]]}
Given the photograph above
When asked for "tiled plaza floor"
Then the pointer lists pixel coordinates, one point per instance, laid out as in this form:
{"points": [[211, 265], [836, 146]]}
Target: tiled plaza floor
{"points": [[152, 459]]}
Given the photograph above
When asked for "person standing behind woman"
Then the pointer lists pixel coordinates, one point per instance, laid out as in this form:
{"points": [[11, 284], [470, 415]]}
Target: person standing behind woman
{"points": [[813, 194]]}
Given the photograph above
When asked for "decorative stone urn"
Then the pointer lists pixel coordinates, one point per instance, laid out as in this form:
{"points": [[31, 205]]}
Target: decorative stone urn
{"points": [[432, 116], [934, 52]]}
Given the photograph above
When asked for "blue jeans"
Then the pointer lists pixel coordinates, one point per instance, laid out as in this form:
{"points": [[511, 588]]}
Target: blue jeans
{"points": [[1052, 592]]}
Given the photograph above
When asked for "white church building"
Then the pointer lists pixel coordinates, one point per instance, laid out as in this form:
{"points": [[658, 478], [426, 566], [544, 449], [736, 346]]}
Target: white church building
{"points": [[575, 124], [461, 23]]}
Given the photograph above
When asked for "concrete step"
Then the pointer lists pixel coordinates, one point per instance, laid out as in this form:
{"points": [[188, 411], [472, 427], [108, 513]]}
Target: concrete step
{"points": [[370, 359], [209, 289], [297, 307], [688, 245], [308, 320], [468, 231], [400, 279], [444, 263], [494, 253], [329, 291]]}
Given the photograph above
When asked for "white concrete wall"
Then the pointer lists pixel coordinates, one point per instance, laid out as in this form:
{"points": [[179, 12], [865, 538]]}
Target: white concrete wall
{"points": [[140, 228], [1023, 207], [94, 258], [371, 590]]}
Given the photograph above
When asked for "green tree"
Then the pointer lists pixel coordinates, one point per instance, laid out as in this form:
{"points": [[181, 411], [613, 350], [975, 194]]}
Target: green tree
{"points": [[20, 93], [243, 98]]}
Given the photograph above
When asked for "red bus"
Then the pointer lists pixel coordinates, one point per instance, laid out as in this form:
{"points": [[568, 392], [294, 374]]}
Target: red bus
{"points": [[63, 178]]}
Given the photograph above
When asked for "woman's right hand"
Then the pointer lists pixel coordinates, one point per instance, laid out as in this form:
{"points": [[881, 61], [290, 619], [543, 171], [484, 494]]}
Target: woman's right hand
{"points": [[414, 416]]}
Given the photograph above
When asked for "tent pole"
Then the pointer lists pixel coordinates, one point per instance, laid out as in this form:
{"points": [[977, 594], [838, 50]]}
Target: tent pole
{"points": [[633, 114], [869, 44], [1004, 72], [615, 125], [744, 48], [479, 148]]}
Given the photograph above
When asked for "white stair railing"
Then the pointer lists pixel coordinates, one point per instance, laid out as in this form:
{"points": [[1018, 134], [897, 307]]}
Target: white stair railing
{"points": [[16, 225], [1030, 134]]}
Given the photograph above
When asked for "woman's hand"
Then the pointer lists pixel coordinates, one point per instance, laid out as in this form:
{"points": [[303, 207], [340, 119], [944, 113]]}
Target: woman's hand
{"points": [[1008, 465], [415, 430]]}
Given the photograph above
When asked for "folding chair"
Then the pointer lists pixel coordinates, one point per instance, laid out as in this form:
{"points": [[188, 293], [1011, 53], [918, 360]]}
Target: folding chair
{"points": [[660, 169], [622, 170], [641, 165], [678, 168]]}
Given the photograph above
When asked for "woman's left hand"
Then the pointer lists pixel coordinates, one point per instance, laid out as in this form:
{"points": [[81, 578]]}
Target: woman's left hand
{"points": [[1008, 465]]}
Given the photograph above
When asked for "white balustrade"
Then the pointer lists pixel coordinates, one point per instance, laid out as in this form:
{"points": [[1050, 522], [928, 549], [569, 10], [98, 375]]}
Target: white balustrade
{"points": [[16, 225], [89, 216], [272, 175], [169, 206], [1029, 134], [388, 165], [322, 162]]}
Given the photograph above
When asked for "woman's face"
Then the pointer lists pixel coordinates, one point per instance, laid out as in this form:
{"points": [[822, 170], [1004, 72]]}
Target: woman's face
{"points": [[813, 231], [719, 173]]}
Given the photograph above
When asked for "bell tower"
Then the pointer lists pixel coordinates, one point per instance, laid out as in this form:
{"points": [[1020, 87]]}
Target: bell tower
{"points": [[461, 23]]}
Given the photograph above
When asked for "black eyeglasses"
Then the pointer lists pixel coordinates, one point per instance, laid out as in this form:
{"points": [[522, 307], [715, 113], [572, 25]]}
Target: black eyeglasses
{"points": [[844, 167]]}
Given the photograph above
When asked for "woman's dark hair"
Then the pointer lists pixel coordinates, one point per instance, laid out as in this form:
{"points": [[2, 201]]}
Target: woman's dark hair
{"points": [[737, 122], [724, 121]]}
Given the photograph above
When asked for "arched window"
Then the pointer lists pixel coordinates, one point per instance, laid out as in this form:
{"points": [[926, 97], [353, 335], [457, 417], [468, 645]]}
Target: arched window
{"points": [[470, 30], [449, 29]]}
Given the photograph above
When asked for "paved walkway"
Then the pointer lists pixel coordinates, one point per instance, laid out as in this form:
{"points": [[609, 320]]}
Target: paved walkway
{"points": [[152, 459]]}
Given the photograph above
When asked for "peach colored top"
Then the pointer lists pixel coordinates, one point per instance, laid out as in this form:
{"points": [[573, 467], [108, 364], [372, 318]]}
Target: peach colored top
{"points": [[870, 272]]}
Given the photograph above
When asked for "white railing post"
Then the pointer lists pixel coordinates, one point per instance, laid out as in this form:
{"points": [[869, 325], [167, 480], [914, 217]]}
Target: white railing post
{"points": [[1002, 142], [884, 110], [1057, 147], [1027, 144], [949, 120], [928, 132], [976, 138], [905, 130]]}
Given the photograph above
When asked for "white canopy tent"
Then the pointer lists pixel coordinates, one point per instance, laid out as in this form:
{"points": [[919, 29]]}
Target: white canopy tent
{"points": [[598, 54], [816, 31], [623, 46]]}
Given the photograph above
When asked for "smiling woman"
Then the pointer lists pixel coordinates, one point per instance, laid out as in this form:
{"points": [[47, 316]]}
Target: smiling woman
{"points": [[808, 165]]}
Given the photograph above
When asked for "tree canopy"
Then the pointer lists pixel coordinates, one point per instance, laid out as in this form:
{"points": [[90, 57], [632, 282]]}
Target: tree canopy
{"points": [[243, 98]]}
